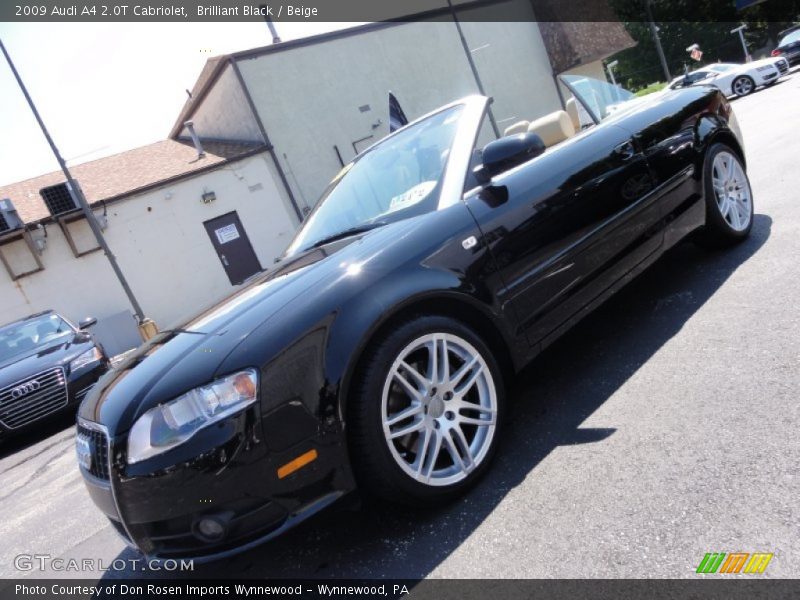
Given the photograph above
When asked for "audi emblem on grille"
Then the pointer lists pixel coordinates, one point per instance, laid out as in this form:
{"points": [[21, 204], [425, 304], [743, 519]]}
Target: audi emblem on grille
{"points": [[26, 388]]}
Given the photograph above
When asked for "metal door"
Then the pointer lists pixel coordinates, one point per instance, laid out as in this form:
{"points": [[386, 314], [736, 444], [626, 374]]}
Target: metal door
{"points": [[233, 247]]}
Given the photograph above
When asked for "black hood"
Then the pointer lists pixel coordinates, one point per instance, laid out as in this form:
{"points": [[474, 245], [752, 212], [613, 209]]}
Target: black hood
{"points": [[178, 360], [57, 354]]}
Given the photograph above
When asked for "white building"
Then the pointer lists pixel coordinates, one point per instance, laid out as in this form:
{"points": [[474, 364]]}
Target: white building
{"points": [[161, 206], [277, 123], [319, 101]]}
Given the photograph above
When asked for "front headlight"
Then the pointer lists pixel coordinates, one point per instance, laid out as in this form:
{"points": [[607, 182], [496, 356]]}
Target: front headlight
{"points": [[86, 358], [764, 68], [171, 424]]}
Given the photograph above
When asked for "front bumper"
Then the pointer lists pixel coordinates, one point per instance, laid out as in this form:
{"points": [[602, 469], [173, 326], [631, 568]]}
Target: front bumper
{"points": [[157, 507]]}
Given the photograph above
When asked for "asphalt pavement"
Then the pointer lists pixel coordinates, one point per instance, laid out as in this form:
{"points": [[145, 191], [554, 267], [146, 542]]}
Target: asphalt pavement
{"points": [[662, 427]]}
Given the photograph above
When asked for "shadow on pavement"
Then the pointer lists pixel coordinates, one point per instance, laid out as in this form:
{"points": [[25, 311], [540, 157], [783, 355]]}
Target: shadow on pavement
{"points": [[551, 398]]}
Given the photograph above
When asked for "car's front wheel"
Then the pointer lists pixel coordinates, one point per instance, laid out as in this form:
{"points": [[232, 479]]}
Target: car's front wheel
{"points": [[426, 411], [743, 85]]}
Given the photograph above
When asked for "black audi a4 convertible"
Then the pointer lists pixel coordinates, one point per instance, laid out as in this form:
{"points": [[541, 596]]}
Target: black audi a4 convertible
{"points": [[376, 354]]}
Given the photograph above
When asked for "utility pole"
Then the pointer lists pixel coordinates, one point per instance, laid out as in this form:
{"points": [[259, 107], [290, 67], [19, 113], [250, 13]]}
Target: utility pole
{"points": [[657, 40], [146, 326], [473, 66]]}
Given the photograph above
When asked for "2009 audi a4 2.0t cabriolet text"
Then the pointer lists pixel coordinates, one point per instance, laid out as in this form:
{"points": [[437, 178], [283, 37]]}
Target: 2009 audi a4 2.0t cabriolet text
{"points": [[375, 355]]}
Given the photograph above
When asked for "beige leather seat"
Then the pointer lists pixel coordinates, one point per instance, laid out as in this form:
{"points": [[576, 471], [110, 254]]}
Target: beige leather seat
{"points": [[518, 127], [574, 115], [553, 128]]}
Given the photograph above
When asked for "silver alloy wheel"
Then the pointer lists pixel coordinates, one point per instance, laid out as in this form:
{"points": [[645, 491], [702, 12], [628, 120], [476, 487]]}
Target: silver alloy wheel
{"points": [[731, 190], [743, 86], [439, 409]]}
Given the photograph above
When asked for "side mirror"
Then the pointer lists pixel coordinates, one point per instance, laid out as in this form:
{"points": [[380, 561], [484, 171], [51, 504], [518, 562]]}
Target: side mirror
{"points": [[87, 322], [508, 152]]}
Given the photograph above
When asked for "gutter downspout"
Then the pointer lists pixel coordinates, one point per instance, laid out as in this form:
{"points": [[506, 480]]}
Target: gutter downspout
{"points": [[270, 147]]}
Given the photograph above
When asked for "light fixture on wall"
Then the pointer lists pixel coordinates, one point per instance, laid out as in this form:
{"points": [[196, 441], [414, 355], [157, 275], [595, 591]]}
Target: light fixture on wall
{"points": [[208, 197], [39, 238]]}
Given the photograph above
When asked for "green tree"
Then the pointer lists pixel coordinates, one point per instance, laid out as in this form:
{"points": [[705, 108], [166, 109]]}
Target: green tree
{"points": [[682, 23]]}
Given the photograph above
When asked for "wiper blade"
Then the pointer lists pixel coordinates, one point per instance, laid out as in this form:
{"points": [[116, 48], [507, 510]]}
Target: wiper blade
{"points": [[345, 233]]}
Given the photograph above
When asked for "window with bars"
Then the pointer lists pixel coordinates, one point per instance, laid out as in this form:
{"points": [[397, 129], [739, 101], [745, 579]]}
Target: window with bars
{"points": [[58, 199]]}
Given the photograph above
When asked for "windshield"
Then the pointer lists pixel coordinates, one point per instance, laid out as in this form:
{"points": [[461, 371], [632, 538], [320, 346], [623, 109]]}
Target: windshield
{"points": [[396, 179], [28, 335], [600, 97], [789, 38], [722, 67]]}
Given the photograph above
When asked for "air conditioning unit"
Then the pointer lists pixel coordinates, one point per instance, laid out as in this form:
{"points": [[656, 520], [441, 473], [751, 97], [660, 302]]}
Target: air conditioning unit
{"points": [[59, 199], [9, 219]]}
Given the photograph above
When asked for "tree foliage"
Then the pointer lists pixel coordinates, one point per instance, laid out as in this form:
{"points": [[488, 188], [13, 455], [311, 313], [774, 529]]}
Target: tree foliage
{"points": [[707, 23]]}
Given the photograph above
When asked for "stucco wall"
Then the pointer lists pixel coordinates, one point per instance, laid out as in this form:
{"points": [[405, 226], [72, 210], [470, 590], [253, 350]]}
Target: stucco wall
{"points": [[309, 98], [161, 245]]}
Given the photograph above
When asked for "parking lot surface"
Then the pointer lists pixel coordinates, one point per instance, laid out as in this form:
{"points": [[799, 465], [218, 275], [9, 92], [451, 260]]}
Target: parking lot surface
{"points": [[662, 427]]}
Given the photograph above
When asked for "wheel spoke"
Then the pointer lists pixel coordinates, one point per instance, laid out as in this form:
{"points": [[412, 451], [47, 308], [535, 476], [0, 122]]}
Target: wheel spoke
{"points": [[733, 213], [724, 206], [429, 459], [744, 206], [433, 360], [462, 371], [444, 358], [477, 420], [456, 443], [405, 430], [730, 168], [407, 413], [423, 442], [470, 381], [412, 391]]}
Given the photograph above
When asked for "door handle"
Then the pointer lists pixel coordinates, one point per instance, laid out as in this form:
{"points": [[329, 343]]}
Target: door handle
{"points": [[223, 259], [625, 150]]}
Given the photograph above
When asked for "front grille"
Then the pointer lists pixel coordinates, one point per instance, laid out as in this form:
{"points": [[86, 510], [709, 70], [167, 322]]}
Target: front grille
{"points": [[33, 398], [80, 395], [783, 66], [98, 444]]}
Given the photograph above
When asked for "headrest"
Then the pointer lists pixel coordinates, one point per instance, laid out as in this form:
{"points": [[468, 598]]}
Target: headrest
{"points": [[553, 128], [574, 115], [518, 127]]}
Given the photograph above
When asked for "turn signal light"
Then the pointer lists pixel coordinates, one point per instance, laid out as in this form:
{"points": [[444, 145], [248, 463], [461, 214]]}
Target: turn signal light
{"points": [[298, 463]]}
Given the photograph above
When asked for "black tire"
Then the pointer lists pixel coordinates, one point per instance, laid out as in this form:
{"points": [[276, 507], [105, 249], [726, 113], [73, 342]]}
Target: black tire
{"points": [[718, 231], [376, 469], [746, 85]]}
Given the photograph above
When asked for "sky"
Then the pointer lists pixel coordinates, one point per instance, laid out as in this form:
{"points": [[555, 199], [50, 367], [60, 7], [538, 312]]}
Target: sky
{"points": [[102, 88]]}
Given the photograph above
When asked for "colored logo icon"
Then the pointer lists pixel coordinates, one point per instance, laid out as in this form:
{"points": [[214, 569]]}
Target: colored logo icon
{"points": [[736, 562]]}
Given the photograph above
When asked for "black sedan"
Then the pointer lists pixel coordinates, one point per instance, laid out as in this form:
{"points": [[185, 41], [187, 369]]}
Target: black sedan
{"points": [[789, 46], [376, 355], [47, 365]]}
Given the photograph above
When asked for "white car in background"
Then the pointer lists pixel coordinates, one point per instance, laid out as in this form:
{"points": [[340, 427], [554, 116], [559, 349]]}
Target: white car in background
{"points": [[736, 79]]}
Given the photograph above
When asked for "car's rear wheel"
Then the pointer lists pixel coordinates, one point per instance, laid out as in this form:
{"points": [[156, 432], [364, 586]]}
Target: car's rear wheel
{"points": [[728, 197], [743, 85], [426, 410]]}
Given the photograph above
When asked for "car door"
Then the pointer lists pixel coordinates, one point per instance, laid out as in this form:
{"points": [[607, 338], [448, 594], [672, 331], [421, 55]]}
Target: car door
{"points": [[566, 225]]}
